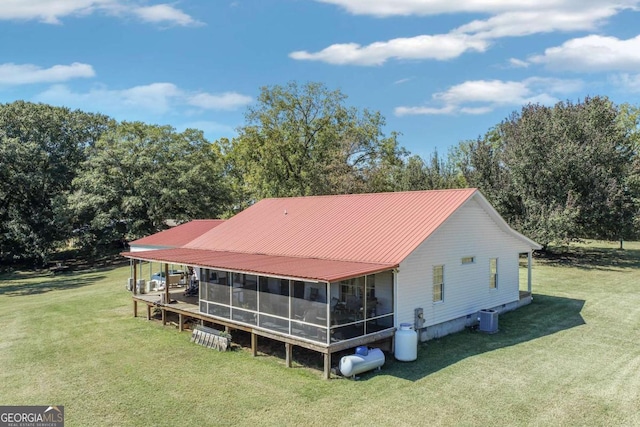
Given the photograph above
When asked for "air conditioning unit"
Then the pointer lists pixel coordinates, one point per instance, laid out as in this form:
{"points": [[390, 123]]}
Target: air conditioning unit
{"points": [[488, 321], [140, 288]]}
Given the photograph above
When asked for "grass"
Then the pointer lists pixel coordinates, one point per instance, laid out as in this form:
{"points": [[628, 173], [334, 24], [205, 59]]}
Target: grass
{"points": [[572, 357]]}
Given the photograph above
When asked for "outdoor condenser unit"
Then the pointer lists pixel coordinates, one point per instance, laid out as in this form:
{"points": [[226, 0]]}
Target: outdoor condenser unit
{"points": [[488, 321]]}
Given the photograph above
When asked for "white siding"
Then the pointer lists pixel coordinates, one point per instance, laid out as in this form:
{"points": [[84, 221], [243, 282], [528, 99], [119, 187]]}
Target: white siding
{"points": [[470, 231]]}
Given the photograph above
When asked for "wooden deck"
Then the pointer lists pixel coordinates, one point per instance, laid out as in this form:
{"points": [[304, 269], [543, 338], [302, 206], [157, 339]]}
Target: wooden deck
{"points": [[187, 308]]}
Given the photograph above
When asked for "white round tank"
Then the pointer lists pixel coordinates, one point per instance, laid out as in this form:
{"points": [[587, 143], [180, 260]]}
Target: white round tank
{"points": [[406, 346], [357, 363]]}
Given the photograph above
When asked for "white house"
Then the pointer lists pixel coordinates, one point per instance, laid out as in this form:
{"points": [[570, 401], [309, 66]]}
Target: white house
{"points": [[333, 272]]}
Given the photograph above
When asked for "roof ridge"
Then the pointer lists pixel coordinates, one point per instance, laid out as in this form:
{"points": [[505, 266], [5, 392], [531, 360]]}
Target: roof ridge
{"points": [[318, 196]]}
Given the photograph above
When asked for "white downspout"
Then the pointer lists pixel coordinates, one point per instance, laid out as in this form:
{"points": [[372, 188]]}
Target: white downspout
{"points": [[395, 297]]}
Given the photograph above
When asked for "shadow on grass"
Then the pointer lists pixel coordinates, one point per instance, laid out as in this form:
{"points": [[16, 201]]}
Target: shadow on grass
{"points": [[593, 258], [15, 285], [545, 316]]}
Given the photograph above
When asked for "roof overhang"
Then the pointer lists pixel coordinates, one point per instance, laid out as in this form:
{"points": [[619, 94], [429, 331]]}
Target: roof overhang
{"points": [[142, 248], [321, 270]]}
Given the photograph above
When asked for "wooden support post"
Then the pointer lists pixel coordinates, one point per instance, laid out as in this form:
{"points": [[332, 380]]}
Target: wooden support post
{"points": [[288, 353], [529, 262], [135, 279], [181, 321], [254, 344], [327, 366], [166, 284], [148, 312], [164, 317], [135, 308]]}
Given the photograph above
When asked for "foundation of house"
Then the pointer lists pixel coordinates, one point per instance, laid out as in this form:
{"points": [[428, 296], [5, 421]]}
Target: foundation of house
{"points": [[459, 324]]}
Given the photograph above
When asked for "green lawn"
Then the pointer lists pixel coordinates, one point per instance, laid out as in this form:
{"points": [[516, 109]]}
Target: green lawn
{"points": [[572, 357]]}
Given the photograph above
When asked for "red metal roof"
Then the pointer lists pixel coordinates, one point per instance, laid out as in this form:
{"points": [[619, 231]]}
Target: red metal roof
{"points": [[380, 228], [327, 238], [179, 235], [303, 268]]}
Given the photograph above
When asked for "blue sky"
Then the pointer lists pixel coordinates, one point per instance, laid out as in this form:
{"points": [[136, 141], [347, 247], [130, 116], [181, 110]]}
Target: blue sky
{"points": [[440, 71]]}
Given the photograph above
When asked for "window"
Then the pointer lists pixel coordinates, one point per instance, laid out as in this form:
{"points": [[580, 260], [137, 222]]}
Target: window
{"points": [[468, 260], [438, 283], [493, 273]]}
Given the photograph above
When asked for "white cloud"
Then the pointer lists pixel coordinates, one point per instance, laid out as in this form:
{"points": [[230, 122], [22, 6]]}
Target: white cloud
{"points": [[476, 110], [440, 47], [402, 81], [384, 8], [518, 63], [413, 111], [49, 11], [491, 91], [483, 96], [507, 19], [52, 11], [224, 101], [627, 82], [543, 20], [164, 13], [593, 53], [21, 74], [154, 98]]}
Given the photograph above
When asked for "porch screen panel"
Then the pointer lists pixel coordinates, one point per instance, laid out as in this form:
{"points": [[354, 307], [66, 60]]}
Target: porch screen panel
{"points": [[274, 296], [251, 292], [361, 306], [218, 289], [276, 324], [244, 288], [347, 301], [309, 310], [341, 333], [310, 332], [219, 310], [244, 316]]}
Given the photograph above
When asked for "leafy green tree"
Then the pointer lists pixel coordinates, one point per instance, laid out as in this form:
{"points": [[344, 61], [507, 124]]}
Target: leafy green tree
{"points": [[303, 140], [436, 174], [40, 149], [557, 173], [629, 120], [138, 176]]}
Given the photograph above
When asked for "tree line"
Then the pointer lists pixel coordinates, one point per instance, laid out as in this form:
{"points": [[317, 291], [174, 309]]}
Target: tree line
{"points": [[76, 179]]}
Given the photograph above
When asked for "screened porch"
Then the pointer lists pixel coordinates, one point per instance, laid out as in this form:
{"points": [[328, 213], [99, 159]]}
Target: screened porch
{"points": [[320, 312]]}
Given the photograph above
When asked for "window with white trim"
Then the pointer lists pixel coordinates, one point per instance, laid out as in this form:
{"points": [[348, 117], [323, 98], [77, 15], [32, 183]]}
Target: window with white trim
{"points": [[438, 283], [493, 273], [468, 260]]}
